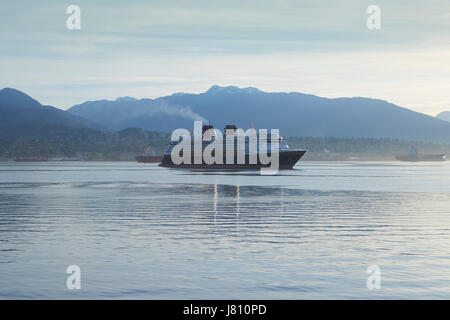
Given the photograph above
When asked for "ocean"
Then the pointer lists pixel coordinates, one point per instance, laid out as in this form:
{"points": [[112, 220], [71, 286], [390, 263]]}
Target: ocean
{"points": [[138, 231]]}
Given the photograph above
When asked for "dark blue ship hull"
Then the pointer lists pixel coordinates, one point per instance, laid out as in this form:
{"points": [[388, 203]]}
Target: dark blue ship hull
{"points": [[287, 160]]}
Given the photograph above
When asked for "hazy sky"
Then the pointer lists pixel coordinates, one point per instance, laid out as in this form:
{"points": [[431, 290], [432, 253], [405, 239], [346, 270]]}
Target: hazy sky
{"points": [[153, 48]]}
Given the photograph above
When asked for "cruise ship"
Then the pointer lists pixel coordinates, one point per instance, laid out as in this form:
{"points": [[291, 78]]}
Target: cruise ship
{"points": [[287, 157]]}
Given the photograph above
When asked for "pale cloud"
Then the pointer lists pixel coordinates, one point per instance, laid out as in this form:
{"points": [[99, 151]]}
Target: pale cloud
{"points": [[153, 48]]}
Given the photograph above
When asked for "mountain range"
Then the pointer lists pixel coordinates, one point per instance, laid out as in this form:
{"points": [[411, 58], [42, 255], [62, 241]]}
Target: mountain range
{"points": [[21, 115], [295, 114], [445, 115]]}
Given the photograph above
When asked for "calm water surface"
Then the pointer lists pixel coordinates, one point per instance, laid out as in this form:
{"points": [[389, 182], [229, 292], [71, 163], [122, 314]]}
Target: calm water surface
{"points": [[143, 232]]}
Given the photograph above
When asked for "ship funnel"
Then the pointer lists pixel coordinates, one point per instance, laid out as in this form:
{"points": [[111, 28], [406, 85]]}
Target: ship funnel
{"points": [[207, 127], [231, 127]]}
